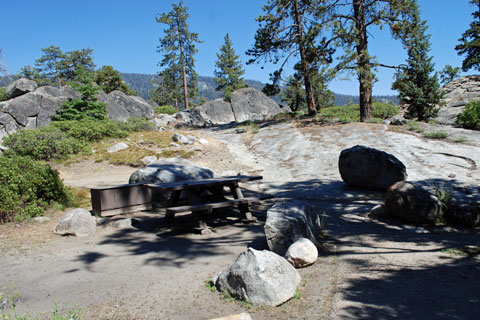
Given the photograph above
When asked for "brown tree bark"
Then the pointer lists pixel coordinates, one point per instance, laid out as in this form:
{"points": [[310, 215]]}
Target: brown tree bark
{"points": [[182, 57], [306, 70], [364, 69]]}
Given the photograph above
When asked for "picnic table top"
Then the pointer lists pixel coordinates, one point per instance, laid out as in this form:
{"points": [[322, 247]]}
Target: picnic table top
{"points": [[191, 184]]}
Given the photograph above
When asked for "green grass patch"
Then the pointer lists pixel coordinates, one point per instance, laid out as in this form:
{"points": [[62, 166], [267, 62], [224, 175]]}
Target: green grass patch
{"points": [[413, 126], [468, 251], [159, 139], [177, 153], [460, 140], [435, 135], [351, 113]]}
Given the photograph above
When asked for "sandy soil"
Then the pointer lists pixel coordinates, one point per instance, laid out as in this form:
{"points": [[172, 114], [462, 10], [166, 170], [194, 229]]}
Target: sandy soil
{"points": [[366, 268]]}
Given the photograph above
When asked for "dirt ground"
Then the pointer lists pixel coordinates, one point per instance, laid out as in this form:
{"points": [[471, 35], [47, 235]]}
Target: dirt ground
{"points": [[366, 268]]}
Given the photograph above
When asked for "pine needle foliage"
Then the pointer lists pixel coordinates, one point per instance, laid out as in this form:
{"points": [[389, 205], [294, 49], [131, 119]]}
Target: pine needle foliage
{"points": [[229, 70]]}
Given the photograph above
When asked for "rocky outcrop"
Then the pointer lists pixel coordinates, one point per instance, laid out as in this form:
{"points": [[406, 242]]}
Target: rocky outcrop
{"points": [[246, 104], [370, 168], [121, 107], [32, 108], [262, 278], [289, 221], [413, 203], [458, 93], [19, 87]]}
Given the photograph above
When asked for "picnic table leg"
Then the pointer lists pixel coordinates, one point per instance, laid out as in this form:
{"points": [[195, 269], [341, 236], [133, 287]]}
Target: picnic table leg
{"points": [[244, 211], [200, 225], [172, 201]]}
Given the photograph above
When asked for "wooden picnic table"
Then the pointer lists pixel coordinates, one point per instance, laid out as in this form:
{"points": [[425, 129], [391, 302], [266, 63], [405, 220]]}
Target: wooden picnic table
{"points": [[193, 190]]}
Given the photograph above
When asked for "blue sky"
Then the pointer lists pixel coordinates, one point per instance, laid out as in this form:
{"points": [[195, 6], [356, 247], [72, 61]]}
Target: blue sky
{"points": [[124, 34]]}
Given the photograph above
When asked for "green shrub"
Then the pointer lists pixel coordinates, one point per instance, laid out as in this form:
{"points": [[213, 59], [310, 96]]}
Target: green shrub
{"points": [[3, 97], [383, 110], [167, 109], [470, 117], [43, 144], [91, 130], [28, 188], [436, 134], [134, 124]]}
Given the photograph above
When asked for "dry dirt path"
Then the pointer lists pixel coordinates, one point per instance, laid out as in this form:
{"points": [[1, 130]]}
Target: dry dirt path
{"points": [[366, 269]]}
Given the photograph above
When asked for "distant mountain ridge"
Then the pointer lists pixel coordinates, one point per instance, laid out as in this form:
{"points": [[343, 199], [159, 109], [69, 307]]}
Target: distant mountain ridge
{"points": [[142, 83]]}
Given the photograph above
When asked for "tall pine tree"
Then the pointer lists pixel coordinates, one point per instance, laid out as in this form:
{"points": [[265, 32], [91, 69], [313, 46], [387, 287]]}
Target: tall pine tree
{"points": [[470, 42], [348, 22], [178, 47], [287, 29], [49, 65], [417, 86], [228, 76]]}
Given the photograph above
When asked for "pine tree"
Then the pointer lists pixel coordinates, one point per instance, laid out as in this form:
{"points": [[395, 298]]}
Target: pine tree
{"points": [[348, 22], [417, 87], [449, 73], [178, 46], [75, 59], [288, 29], [50, 65], [470, 42], [87, 106], [228, 76], [110, 79]]}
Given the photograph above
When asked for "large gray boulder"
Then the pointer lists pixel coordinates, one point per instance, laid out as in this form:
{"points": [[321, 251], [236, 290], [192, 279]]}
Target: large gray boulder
{"points": [[251, 104], [259, 277], [217, 111], [77, 222], [170, 170], [121, 106], [289, 221], [20, 87], [413, 203], [370, 168]]}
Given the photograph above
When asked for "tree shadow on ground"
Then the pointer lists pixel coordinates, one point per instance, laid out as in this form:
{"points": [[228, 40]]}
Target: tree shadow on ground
{"points": [[447, 288], [439, 290]]}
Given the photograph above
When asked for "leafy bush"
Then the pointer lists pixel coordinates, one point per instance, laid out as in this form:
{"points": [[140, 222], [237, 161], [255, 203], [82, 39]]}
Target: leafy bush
{"points": [[470, 117], [436, 134], [383, 110], [28, 188], [3, 97], [88, 106], [43, 144], [134, 124], [91, 130], [167, 109]]}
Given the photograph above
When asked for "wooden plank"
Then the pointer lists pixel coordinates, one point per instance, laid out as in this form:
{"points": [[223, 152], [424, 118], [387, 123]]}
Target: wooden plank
{"points": [[214, 205], [192, 184], [125, 210], [104, 199]]}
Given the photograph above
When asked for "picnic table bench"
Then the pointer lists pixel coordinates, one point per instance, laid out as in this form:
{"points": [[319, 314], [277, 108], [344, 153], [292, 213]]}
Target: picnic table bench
{"points": [[109, 201], [198, 205]]}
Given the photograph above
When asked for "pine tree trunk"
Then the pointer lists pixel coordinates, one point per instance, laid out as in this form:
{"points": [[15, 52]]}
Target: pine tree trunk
{"points": [[306, 70], [182, 57], [364, 69]]}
